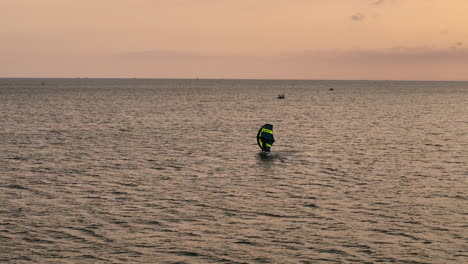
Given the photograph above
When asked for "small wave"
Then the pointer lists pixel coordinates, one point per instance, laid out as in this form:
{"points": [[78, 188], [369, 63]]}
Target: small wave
{"points": [[274, 215], [153, 222], [17, 158], [186, 253], [245, 242], [16, 186]]}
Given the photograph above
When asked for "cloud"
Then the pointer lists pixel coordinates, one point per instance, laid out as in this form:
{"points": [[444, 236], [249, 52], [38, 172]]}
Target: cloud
{"points": [[358, 17], [377, 2], [444, 32], [405, 62], [380, 2], [164, 55], [457, 52], [399, 55]]}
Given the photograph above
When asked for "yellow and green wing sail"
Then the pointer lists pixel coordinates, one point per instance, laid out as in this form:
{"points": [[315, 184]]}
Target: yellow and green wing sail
{"points": [[265, 137]]}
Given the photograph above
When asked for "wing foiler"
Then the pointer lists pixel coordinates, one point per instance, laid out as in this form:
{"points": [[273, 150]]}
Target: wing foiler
{"points": [[265, 137]]}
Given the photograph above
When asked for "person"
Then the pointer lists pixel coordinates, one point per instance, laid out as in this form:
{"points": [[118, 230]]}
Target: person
{"points": [[266, 145]]}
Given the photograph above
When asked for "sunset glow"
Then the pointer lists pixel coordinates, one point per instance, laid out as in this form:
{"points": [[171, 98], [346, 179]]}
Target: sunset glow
{"points": [[279, 39]]}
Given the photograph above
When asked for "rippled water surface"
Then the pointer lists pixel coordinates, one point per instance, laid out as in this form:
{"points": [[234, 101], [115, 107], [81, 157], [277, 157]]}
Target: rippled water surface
{"points": [[168, 171]]}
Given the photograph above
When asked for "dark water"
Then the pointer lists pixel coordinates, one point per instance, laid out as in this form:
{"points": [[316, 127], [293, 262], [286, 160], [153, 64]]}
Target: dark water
{"points": [[168, 171]]}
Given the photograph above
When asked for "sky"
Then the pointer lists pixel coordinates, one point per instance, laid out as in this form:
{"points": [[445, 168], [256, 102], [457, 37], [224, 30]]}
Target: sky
{"points": [[251, 39]]}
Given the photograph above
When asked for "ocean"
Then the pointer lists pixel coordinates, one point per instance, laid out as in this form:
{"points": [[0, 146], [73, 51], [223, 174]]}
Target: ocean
{"points": [[169, 171]]}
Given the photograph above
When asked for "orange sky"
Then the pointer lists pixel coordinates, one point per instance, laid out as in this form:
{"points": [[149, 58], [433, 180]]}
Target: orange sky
{"points": [[279, 39]]}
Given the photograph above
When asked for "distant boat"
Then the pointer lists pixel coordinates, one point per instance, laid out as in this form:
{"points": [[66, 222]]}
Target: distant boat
{"points": [[281, 96]]}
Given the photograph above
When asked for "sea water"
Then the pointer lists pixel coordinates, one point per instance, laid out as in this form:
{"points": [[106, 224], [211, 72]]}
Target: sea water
{"points": [[169, 171]]}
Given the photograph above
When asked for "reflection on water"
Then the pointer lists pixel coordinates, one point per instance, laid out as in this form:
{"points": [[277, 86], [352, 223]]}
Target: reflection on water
{"points": [[168, 171]]}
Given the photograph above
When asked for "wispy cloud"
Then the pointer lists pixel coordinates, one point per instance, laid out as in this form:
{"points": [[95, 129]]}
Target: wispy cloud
{"points": [[380, 2], [358, 17], [405, 62], [444, 32], [157, 55], [377, 2], [455, 53]]}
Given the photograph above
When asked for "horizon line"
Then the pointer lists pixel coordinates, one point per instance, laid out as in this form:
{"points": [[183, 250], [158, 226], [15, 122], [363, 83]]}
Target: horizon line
{"points": [[246, 79]]}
